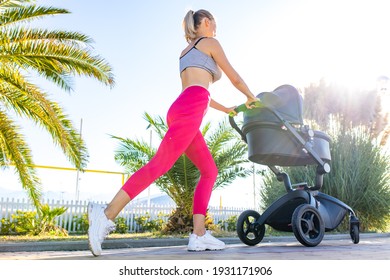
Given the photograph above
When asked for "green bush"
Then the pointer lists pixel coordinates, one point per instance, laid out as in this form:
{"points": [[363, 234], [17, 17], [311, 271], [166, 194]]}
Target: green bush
{"points": [[81, 223], [146, 224], [7, 227], [230, 224], [121, 226], [25, 223], [46, 220], [360, 177], [34, 222]]}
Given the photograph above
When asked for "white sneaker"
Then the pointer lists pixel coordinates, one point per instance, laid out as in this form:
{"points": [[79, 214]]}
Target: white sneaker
{"points": [[205, 242], [99, 227]]}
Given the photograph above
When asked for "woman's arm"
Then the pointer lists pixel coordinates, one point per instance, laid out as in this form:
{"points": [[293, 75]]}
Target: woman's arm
{"points": [[215, 105], [220, 58]]}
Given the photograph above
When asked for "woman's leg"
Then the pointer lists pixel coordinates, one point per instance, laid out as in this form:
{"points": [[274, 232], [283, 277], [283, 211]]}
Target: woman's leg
{"points": [[120, 200], [200, 155], [184, 119]]}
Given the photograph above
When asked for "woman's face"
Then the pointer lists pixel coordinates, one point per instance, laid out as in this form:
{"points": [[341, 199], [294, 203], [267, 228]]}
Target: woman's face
{"points": [[213, 27]]}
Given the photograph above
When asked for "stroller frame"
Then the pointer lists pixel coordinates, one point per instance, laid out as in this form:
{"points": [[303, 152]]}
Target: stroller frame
{"points": [[303, 210]]}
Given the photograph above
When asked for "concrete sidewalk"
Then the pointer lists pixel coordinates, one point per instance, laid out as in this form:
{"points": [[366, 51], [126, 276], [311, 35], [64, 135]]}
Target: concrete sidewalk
{"points": [[332, 247], [109, 243]]}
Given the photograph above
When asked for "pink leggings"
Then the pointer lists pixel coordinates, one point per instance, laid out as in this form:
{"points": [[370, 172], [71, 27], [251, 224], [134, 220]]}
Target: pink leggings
{"points": [[183, 136]]}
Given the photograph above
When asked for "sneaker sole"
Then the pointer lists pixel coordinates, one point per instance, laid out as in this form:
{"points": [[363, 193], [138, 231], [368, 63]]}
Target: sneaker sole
{"points": [[90, 206], [205, 249]]}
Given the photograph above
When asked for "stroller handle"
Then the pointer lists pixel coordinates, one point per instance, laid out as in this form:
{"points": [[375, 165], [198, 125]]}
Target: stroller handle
{"points": [[239, 109], [243, 108], [266, 100]]}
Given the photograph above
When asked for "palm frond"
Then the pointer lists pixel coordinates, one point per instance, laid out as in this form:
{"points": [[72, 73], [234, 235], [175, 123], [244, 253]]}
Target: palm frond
{"points": [[16, 151], [13, 38], [132, 154], [53, 58], [4, 4], [16, 12], [26, 99], [157, 123], [229, 175], [206, 128], [221, 136]]}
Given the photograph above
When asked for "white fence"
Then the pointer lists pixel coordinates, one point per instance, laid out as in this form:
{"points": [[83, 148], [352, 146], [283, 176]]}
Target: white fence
{"points": [[76, 209]]}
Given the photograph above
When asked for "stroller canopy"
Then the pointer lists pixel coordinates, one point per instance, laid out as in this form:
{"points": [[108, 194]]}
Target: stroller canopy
{"points": [[285, 100]]}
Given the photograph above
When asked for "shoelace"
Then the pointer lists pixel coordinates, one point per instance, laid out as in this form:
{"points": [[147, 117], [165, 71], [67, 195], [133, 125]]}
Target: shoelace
{"points": [[108, 229], [105, 233]]}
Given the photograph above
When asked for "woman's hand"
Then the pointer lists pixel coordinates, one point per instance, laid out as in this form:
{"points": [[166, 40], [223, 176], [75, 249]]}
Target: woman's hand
{"points": [[250, 103], [230, 111]]}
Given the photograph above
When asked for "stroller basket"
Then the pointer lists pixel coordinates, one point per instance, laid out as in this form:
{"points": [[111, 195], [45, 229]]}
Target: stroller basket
{"points": [[269, 144]]}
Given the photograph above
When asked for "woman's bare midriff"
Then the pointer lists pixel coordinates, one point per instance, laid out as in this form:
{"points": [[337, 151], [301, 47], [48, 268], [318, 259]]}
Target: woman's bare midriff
{"points": [[195, 76]]}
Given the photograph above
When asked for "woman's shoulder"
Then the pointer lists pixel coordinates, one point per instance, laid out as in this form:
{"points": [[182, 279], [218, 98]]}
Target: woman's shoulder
{"points": [[211, 42]]}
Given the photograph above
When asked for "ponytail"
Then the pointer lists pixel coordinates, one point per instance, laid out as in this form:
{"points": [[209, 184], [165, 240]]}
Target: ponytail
{"points": [[191, 22], [189, 26]]}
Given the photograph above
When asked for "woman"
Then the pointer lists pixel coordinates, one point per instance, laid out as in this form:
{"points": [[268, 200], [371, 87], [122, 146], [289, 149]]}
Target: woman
{"points": [[201, 63]]}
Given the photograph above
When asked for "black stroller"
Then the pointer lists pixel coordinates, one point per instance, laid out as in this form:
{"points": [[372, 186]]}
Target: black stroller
{"points": [[276, 136]]}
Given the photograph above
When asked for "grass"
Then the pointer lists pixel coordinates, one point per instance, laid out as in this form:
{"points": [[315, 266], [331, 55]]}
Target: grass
{"points": [[73, 237], [82, 237]]}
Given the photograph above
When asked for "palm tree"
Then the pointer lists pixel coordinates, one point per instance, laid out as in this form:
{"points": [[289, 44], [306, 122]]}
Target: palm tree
{"points": [[55, 55], [179, 182]]}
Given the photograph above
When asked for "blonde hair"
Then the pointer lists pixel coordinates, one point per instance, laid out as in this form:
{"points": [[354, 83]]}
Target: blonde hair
{"points": [[192, 21]]}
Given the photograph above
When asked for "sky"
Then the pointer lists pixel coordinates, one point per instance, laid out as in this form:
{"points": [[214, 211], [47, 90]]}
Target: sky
{"points": [[269, 43]]}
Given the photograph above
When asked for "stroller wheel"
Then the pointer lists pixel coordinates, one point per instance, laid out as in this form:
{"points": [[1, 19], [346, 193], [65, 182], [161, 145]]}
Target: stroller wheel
{"points": [[249, 231], [307, 225], [354, 229]]}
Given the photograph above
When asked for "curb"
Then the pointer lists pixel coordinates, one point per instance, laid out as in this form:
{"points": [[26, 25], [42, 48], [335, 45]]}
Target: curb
{"points": [[119, 243]]}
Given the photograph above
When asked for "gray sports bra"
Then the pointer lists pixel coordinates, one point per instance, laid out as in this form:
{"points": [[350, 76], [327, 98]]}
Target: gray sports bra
{"points": [[197, 58]]}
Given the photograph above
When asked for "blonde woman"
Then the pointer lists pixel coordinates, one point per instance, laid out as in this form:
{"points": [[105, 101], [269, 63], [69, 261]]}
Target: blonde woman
{"points": [[201, 63]]}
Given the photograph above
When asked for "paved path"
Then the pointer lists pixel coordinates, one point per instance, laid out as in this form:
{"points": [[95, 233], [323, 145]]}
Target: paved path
{"points": [[336, 257], [333, 247]]}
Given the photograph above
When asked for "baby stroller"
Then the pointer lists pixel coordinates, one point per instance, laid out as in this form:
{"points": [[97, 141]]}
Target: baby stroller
{"points": [[276, 136]]}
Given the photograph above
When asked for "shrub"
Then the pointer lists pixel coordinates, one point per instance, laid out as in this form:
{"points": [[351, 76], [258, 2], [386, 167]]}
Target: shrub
{"points": [[7, 227], [230, 224], [360, 177], [81, 223], [121, 226], [33, 222], [146, 224], [181, 222]]}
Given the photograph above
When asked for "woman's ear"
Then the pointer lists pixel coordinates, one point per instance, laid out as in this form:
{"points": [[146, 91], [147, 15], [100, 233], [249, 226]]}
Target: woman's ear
{"points": [[207, 22]]}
